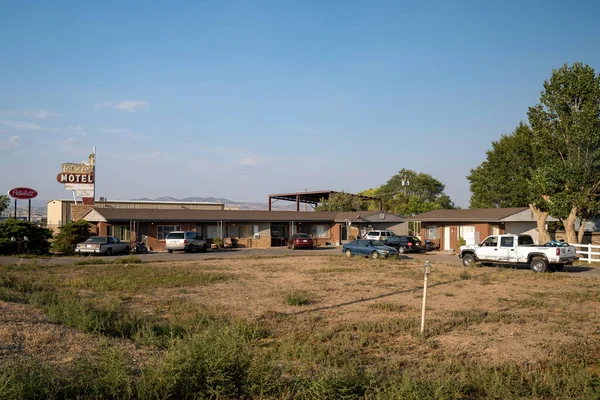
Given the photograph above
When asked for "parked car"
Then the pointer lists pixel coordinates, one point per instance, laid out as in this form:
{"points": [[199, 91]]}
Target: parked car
{"points": [[186, 241], [368, 248], [405, 244], [380, 235], [300, 241], [106, 245]]}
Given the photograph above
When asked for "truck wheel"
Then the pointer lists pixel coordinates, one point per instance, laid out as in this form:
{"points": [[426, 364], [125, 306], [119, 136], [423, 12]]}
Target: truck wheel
{"points": [[401, 250], [538, 264], [108, 252], [468, 260], [170, 251]]}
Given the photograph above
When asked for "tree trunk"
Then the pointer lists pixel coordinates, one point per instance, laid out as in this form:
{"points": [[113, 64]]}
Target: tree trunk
{"points": [[581, 231], [569, 224], [540, 217]]}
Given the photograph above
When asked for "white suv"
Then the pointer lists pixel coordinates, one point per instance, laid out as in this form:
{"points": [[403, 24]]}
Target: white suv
{"points": [[379, 235], [186, 241]]}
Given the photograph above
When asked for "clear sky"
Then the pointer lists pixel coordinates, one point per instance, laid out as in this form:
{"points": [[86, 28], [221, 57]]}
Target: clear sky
{"points": [[240, 99]]}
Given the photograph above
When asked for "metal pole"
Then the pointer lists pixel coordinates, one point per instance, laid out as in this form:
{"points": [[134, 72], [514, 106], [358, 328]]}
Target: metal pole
{"points": [[426, 270], [94, 172], [15, 208], [29, 215]]}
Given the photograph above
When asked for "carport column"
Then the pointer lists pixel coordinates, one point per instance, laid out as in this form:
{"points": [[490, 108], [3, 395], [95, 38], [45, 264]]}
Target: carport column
{"points": [[270, 199], [297, 202]]}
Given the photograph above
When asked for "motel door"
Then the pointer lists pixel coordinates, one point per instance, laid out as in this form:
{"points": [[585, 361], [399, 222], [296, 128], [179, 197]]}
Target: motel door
{"points": [[447, 238]]}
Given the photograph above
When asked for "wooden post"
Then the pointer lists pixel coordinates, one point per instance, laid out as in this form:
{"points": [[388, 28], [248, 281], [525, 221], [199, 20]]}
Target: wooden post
{"points": [[426, 270]]}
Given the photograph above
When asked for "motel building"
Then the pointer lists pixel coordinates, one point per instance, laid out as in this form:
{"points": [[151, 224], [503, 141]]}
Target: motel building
{"points": [[151, 221]]}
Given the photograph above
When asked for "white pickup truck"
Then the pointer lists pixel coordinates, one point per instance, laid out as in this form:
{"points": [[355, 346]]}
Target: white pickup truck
{"points": [[518, 249]]}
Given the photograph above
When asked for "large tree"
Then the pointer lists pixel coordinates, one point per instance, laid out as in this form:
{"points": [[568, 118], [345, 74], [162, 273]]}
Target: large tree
{"points": [[4, 203], [340, 201], [566, 148], [502, 179], [409, 193]]}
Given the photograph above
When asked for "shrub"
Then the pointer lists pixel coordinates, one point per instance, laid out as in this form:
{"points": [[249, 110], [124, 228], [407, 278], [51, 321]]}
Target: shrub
{"points": [[69, 235], [37, 238]]}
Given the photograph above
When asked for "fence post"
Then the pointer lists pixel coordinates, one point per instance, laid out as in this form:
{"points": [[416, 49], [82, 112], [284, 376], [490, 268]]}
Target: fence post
{"points": [[589, 246]]}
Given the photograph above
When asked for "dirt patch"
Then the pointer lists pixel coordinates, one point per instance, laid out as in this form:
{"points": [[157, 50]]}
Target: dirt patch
{"points": [[491, 315]]}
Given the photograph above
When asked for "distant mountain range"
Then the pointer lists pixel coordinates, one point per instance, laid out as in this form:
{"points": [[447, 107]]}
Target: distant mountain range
{"points": [[282, 206]]}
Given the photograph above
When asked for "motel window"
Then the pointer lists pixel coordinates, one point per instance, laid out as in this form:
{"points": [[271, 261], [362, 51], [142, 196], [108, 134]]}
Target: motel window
{"points": [[432, 232], [212, 231], [414, 228], [231, 230], [245, 231], [163, 230], [303, 228], [320, 231], [119, 231]]}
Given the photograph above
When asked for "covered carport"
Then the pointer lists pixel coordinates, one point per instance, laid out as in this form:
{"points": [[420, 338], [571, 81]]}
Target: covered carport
{"points": [[314, 198]]}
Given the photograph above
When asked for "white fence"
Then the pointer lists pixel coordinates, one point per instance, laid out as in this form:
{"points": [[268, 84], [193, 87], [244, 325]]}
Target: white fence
{"points": [[589, 251]]}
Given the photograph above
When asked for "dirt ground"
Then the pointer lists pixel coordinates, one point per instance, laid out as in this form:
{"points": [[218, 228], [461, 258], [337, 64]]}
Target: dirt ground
{"points": [[497, 315]]}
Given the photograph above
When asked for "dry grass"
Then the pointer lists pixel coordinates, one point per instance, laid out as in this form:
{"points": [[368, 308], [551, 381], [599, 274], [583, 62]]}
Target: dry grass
{"points": [[317, 309]]}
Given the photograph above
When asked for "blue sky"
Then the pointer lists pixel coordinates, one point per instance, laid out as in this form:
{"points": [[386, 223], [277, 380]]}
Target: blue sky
{"points": [[240, 99]]}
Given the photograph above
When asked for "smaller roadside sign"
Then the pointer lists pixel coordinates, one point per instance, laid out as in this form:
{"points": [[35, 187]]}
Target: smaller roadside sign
{"points": [[79, 186], [84, 193]]}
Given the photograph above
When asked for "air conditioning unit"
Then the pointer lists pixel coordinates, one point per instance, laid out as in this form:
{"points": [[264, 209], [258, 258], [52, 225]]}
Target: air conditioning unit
{"points": [[101, 198]]}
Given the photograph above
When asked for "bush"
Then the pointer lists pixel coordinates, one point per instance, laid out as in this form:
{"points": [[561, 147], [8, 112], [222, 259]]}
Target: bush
{"points": [[69, 235], [13, 233]]}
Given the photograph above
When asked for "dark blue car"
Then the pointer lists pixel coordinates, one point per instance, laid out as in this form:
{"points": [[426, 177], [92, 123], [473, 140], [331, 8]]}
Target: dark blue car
{"points": [[368, 248]]}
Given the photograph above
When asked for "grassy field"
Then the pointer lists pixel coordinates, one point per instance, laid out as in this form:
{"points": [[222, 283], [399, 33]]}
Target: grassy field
{"points": [[314, 327]]}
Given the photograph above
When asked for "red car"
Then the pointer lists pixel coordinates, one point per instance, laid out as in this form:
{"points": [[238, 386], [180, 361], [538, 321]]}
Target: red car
{"points": [[300, 241]]}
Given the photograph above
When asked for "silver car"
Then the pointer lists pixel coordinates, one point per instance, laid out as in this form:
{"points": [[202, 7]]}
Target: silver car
{"points": [[186, 241]]}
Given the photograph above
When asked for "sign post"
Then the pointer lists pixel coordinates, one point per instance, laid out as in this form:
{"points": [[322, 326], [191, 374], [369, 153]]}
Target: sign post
{"points": [[426, 271]]}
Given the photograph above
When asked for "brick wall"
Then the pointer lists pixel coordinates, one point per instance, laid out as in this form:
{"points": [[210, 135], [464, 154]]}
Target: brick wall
{"points": [[78, 211]]}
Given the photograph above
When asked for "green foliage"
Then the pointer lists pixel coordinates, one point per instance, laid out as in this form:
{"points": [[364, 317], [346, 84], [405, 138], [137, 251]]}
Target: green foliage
{"points": [[502, 179], [69, 235], [218, 241], [409, 193], [37, 236], [4, 203], [566, 143], [297, 299], [341, 202]]}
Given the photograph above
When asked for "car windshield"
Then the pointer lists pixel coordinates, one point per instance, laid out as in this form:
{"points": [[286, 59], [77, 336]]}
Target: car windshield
{"points": [[415, 239], [376, 243], [96, 239], [175, 235]]}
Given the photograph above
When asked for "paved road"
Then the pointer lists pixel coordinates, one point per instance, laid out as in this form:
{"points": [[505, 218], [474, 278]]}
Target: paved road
{"points": [[436, 257]]}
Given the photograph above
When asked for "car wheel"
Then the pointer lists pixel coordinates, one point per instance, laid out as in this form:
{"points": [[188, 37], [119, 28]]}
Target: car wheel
{"points": [[191, 248], [348, 253], [170, 251], [126, 250], [108, 252], [401, 250], [538, 264], [374, 255], [204, 248], [468, 260]]}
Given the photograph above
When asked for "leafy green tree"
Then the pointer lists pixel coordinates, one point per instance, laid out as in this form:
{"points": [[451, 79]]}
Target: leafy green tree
{"points": [[13, 233], [69, 235], [566, 147], [409, 193], [503, 178], [4, 203], [340, 202]]}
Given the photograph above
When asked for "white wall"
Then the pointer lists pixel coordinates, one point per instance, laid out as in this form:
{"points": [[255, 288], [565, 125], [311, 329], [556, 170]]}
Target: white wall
{"points": [[522, 228]]}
